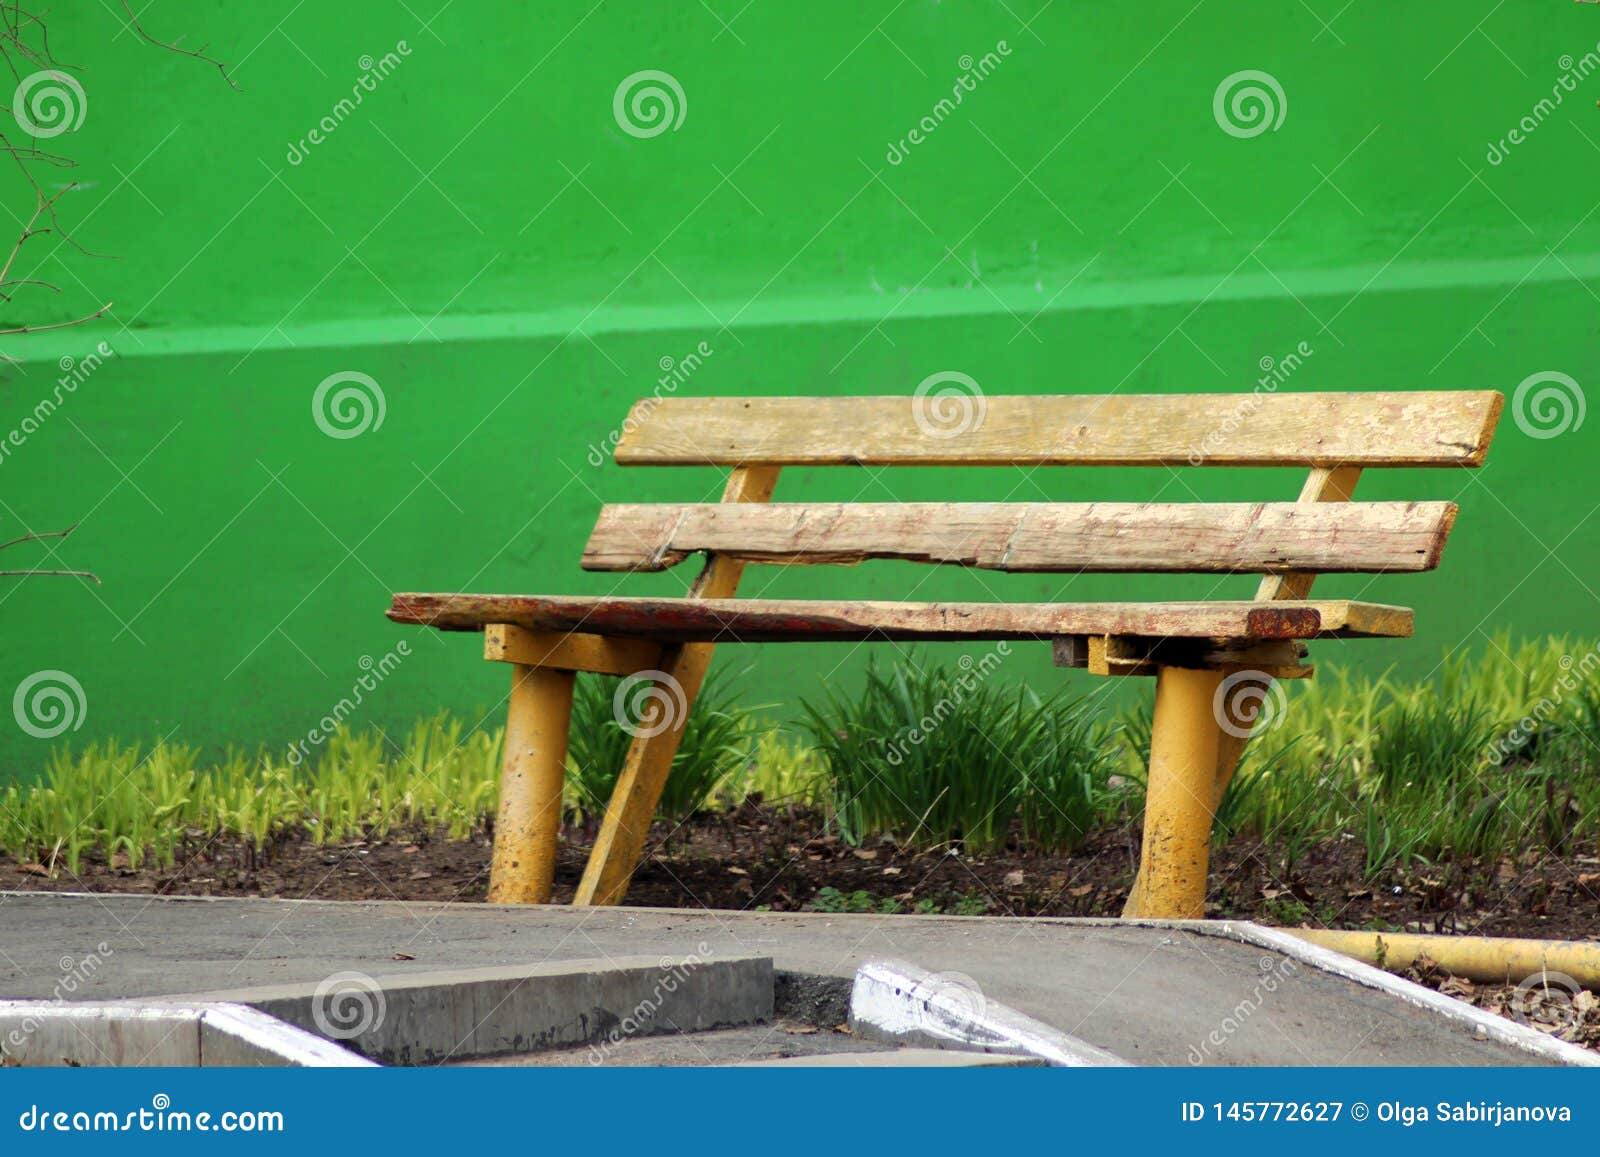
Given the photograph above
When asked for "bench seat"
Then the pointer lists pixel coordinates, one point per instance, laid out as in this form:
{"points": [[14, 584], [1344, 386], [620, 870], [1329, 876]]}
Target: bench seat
{"points": [[684, 620]]}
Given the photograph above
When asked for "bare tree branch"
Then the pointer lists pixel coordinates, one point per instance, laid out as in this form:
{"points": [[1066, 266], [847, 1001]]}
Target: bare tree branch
{"points": [[174, 46], [83, 574], [88, 317], [35, 536], [24, 39]]}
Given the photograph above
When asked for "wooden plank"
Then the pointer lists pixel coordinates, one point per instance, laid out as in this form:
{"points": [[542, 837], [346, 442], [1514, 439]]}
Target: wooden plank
{"points": [[801, 620], [620, 841], [1399, 428], [568, 651], [1034, 537], [1321, 485]]}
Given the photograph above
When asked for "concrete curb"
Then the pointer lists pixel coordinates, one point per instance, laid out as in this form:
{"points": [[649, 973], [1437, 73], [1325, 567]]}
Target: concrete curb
{"points": [[461, 1014], [899, 1002], [159, 1034], [906, 1058], [1483, 1024]]}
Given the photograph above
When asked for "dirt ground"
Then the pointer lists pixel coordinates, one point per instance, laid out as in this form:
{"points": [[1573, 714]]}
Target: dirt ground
{"points": [[782, 859]]}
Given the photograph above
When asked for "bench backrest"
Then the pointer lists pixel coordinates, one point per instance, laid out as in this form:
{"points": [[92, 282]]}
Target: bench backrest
{"points": [[1334, 435]]}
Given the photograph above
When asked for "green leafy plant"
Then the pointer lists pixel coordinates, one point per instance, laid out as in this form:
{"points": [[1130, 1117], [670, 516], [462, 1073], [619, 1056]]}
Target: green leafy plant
{"points": [[830, 899], [1496, 753], [935, 754], [715, 752]]}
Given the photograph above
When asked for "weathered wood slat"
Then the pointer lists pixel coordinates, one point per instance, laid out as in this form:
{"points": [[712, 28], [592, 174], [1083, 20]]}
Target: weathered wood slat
{"points": [[620, 840], [1024, 537], [1399, 428], [800, 620], [1321, 485]]}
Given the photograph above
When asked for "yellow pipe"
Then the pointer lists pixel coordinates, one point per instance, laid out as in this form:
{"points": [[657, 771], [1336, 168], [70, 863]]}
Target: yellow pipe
{"points": [[1485, 959], [528, 829], [1179, 800]]}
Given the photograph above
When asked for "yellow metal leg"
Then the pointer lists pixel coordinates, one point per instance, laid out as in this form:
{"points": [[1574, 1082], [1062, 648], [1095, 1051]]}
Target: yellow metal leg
{"points": [[621, 839], [529, 825], [1180, 798]]}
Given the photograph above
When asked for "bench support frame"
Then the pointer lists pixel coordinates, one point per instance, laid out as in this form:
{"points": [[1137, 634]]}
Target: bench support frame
{"points": [[1180, 811], [620, 843], [1194, 751], [533, 770], [1179, 800]]}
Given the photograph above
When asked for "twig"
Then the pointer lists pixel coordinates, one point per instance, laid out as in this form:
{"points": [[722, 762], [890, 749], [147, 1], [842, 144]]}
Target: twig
{"points": [[174, 46], [83, 574], [35, 536], [101, 312]]}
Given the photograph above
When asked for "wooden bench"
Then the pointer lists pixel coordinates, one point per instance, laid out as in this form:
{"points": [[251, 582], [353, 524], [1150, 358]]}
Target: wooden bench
{"points": [[1201, 653]]}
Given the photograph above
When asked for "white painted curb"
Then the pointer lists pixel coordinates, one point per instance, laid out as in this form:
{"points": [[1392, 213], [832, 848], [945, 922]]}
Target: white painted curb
{"points": [[893, 1000]]}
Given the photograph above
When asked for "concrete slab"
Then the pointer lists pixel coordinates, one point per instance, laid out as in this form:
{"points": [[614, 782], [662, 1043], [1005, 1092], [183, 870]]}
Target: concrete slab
{"points": [[425, 1018], [730, 1046], [1151, 995], [44, 1034], [899, 1059]]}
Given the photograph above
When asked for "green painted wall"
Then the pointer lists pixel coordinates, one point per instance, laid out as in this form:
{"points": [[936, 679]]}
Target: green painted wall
{"points": [[481, 238]]}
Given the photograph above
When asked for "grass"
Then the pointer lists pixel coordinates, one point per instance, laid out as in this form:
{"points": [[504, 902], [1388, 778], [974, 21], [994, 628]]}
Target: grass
{"points": [[1493, 755], [718, 743], [148, 804], [934, 754]]}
